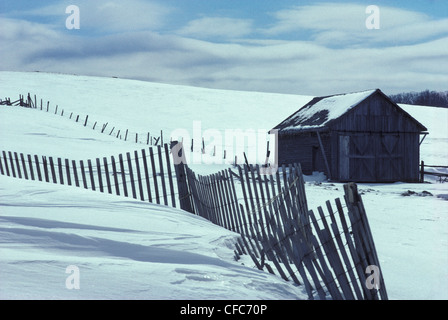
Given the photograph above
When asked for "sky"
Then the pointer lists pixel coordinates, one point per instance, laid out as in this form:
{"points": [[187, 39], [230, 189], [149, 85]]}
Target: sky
{"points": [[311, 48]]}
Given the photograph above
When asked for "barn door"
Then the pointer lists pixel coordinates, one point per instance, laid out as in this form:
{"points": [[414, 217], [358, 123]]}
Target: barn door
{"points": [[370, 157], [390, 158], [362, 158]]}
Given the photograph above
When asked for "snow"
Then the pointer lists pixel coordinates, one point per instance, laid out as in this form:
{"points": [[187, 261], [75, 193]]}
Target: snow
{"points": [[146, 106], [128, 249], [434, 148], [333, 107], [124, 249]]}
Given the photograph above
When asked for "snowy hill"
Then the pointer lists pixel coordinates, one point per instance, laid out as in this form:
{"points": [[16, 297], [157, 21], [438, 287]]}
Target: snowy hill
{"points": [[126, 249]]}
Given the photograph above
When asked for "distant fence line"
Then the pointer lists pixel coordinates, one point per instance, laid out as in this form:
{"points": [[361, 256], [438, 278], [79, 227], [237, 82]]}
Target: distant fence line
{"points": [[123, 134], [32, 102]]}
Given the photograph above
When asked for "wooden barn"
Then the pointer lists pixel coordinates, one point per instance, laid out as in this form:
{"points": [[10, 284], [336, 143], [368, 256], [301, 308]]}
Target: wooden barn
{"points": [[361, 137]]}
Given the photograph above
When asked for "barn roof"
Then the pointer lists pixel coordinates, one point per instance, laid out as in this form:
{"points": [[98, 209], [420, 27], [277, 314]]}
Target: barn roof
{"points": [[320, 111]]}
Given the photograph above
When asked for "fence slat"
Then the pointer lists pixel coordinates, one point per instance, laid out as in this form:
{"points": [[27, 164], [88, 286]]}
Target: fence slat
{"points": [[45, 166], [19, 172], [83, 174], [230, 201], [139, 176], [61, 177], [75, 173], [246, 201], [162, 175], [36, 162], [67, 170], [131, 174], [6, 163], [337, 235], [324, 238], [52, 169], [170, 176], [145, 169], [239, 223], [30, 165], [100, 178], [351, 246], [154, 174], [92, 179], [12, 164], [115, 175], [123, 175], [334, 258], [25, 172], [106, 173]]}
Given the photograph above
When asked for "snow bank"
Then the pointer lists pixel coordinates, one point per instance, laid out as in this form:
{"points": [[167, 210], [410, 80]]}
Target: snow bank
{"points": [[123, 248]]}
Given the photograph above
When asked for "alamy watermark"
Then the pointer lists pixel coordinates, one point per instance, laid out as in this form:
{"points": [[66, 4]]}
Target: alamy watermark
{"points": [[73, 20], [374, 278], [373, 20], [213, 146], [73, 280]]}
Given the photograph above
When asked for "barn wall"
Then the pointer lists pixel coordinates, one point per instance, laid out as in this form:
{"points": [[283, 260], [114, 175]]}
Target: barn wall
{"points": [[305, 149], [375, 114], [412, 160]]}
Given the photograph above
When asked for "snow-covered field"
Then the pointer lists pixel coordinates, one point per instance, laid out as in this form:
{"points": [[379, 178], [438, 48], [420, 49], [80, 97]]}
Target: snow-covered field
{"points": [[126, 249]]}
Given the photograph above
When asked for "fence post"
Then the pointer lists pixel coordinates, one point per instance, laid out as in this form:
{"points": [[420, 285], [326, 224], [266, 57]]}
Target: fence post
{"points": [[362, 236], [422, 171], [181, 176]]}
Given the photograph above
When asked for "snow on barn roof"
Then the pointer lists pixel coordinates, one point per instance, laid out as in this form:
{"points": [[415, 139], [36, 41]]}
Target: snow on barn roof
{"points": [[321, 110]]}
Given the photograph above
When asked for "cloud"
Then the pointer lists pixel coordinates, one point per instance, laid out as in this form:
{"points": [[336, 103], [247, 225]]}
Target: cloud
{"points": [[222, 27], [311, 66], [336, 24], [107, 16]]}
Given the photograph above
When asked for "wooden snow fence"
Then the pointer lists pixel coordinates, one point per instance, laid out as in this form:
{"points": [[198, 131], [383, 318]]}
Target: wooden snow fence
{"points": [[330, 251], [145, 174]]}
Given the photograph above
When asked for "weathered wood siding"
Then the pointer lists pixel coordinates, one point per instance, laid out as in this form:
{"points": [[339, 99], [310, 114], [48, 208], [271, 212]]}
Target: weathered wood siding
{"points": [[306, 150], [375, 114], [373, 142]]}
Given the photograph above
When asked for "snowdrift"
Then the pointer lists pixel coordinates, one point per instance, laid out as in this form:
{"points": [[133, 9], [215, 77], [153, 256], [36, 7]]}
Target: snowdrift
{"points": [[127, 249]]}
